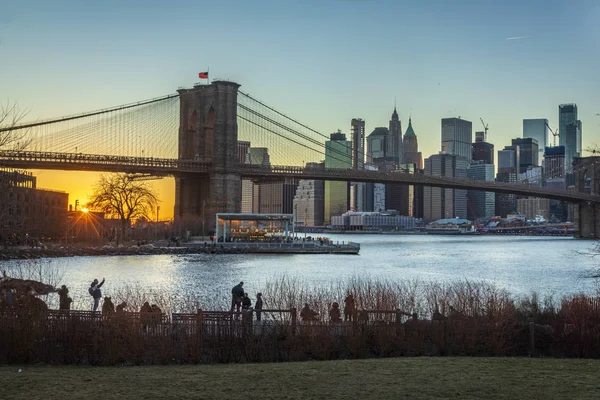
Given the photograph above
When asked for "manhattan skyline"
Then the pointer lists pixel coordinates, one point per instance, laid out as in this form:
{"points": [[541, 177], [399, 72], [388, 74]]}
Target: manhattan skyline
{"points": [[321, 63]]}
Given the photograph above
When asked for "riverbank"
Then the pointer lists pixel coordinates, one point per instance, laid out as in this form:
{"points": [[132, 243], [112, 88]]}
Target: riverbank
{"points": [[24, 253], [415, 378]]}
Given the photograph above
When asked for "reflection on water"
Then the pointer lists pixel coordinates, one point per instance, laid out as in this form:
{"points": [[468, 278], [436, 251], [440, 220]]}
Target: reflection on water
{"points": [[546, 265]]}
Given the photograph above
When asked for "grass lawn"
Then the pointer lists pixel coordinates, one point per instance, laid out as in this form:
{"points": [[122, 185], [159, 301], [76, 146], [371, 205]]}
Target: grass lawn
{"points": [[414, 378]]}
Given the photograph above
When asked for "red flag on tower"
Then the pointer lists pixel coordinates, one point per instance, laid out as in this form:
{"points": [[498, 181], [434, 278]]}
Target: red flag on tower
{"points": [[203, 75]]}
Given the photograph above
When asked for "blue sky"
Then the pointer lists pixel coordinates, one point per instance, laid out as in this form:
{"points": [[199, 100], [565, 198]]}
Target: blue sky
{"points": [[322, 62]]}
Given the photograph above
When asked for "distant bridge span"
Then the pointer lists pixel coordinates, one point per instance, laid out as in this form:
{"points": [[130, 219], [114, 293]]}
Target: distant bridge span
{"points": [[174, 167]]}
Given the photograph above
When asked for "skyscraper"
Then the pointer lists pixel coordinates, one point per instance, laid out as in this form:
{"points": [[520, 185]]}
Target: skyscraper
{"points": [[481, 204], [440, 202], [554, 162], [483, 152], [358, 143], [243, 149], [394, 141], [376, 144], [338, 154], [358, 190], [412, 155], [508, 171], [457, 137], [528, 153], [569, 131], [537, 129], [309, 201], [250, 190]]}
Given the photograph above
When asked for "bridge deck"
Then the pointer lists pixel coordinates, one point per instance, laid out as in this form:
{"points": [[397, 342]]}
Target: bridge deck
{"points": [[174, 167]]}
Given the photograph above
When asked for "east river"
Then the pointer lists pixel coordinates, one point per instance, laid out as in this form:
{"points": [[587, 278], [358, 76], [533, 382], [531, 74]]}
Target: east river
{"points": [[546, 265]]}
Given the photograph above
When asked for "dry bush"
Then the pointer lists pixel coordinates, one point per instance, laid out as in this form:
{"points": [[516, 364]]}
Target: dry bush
{"points": [[480, 320]]}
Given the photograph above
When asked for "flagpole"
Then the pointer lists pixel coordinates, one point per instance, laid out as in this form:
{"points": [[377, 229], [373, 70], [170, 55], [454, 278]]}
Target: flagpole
{"points": [[208, 74]]}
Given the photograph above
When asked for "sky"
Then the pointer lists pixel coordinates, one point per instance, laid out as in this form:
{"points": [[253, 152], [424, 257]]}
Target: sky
{"points": [[323, 62]]}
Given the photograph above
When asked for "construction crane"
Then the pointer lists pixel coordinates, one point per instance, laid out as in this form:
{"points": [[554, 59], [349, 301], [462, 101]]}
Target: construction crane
{"points": [[485, 129], [554, 133]]}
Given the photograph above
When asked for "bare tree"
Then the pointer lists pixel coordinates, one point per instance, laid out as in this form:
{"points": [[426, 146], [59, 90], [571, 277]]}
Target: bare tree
{"points": [[12, 137], [120, 196], [594, 149]]}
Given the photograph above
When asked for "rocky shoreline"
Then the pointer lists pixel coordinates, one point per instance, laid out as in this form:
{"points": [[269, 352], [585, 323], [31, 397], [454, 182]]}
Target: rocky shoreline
{"points": [[54, 252], [26, 253]]}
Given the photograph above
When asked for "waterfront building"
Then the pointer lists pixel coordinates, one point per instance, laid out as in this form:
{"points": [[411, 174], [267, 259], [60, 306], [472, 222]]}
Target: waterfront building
{"points": [[394, 140], [385, 221], [442, 202], [457, 137], [532, 207], [27, 211], [569, 130], [481, 204], [338, 154], [537, 129], [528, 153]]}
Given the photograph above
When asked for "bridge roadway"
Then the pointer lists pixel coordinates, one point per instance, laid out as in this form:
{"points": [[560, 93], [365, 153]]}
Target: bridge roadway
{"points": [[169, 166]]}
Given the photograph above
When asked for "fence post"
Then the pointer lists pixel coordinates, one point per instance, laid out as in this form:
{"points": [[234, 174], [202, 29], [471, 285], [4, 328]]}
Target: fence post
{"points": [[531, 339], [294, 319]]}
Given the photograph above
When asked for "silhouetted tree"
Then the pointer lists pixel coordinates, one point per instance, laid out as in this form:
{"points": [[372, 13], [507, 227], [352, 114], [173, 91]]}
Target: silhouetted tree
{"points": [[12, 137], [593, 149], [120, 196], [15, 139]]}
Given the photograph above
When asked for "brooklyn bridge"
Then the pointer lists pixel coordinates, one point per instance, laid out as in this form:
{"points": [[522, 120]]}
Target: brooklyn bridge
{"points": [[194, 136]]}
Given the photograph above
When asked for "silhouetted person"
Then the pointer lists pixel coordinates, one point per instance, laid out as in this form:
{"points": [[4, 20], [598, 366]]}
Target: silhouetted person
{"points": [[437, 315], [155, 309], [349, 308], [307, 314], [107, 306], [96, 292], [64, 301], [121, 307], [258, 306], [246, 302], [334, 313], [237, 292], [363, 317], [146, 308]]}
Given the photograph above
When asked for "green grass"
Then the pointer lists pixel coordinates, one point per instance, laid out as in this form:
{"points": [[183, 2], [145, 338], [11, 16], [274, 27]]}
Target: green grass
{"points": [[414, 378]]}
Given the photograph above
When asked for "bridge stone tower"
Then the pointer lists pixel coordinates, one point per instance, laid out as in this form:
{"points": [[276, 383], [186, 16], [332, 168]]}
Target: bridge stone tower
{"points": [[587, 180], [208, 132]]}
